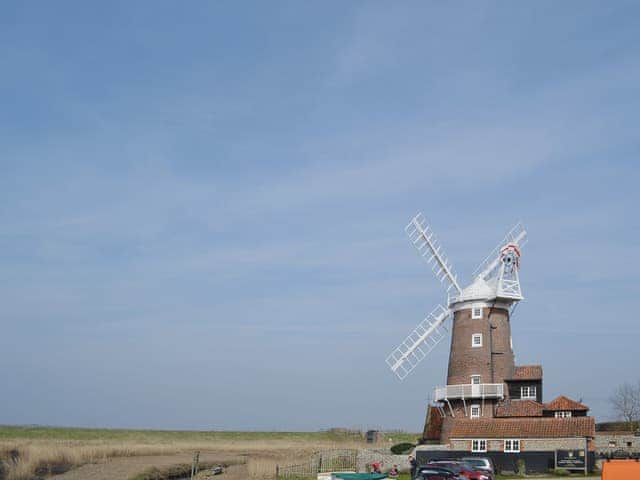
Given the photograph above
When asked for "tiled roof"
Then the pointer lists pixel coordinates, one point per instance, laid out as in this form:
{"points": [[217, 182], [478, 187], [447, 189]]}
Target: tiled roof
{"points": [[519, 408], [527, 372], [564, 403], [543, 427], [434, 425]]}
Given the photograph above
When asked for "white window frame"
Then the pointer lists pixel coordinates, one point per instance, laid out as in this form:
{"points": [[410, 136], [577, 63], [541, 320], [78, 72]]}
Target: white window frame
{"points": [[477, 408], [474, 377], [563, 414], [473, 340], [512, 445], [475, 315], [532, 391], [479, 445]]}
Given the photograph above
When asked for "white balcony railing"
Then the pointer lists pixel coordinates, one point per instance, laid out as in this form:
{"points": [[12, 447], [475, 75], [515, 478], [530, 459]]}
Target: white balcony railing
{"points": [[480, 390]]}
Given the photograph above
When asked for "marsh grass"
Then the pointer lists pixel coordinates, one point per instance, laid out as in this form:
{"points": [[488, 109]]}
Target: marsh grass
{"points": [[35, 452]]}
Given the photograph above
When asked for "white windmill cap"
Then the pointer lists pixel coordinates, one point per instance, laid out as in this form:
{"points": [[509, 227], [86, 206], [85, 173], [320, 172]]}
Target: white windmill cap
{"points": [[478, 290]]}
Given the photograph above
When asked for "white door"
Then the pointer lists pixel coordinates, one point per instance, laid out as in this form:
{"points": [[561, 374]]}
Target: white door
{"points": [[476, 388]]}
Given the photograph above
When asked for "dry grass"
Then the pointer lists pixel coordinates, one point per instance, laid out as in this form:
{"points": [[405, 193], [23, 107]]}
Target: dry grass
{"points": [[30, 453], [39, 458], [28, 459]]}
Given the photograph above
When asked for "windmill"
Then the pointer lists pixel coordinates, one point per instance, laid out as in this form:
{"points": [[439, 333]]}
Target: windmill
{"points": [[495, 290]]}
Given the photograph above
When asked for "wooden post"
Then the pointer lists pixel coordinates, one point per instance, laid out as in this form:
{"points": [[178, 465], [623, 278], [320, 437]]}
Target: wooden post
{"points": [[586, 456], [277, 471], [194, 465]]}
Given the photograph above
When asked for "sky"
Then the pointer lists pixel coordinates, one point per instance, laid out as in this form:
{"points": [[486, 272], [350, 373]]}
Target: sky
{"points": [[203, 204]]}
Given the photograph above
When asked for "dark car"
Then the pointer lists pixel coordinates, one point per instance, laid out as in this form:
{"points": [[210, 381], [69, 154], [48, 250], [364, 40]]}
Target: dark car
{"points": [[436, 473], [461, 469], [481, 463]]}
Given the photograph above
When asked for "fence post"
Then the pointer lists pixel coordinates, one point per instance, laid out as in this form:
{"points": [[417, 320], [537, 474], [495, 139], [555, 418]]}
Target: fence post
{"points": [[195, 464], [277, 471]]}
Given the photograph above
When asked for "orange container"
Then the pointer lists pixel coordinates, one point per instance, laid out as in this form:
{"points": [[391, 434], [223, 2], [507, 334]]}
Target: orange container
{"points": [[621, 470]]}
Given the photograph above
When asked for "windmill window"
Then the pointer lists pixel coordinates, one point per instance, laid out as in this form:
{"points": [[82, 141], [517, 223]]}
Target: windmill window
{"points": [[478, 445], [476, 312], [528, 392], [475, 411], [512, 446], [476, 340], [475, 379]]}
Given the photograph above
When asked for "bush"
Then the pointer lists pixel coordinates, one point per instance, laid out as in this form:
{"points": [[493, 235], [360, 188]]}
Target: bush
{"points": [[402, 448], [561, 472], [522, 468]]}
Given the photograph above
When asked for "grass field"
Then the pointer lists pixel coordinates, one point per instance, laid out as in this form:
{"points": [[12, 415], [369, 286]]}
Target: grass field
{"points": [[160, 436], [28, 451]]}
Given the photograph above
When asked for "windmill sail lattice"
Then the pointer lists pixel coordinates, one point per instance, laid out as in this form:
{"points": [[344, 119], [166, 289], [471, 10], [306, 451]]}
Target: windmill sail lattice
{"points": [[423, 238], [419, 343]]}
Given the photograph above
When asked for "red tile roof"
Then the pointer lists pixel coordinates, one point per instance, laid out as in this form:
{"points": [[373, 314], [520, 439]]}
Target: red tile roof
{"points": [[527, 372], [543, 427], [564, 403], [519, 408]]}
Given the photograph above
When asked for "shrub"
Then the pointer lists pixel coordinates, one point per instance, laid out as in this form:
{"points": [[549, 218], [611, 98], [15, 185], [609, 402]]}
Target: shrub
{"points": [[561, 472], [522, 468], [402, 448]]}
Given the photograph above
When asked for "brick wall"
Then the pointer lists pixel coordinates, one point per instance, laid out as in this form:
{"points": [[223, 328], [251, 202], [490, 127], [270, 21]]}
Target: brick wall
{"points": [[622, 439], [388, 459], [526, 444], [493, 361]]}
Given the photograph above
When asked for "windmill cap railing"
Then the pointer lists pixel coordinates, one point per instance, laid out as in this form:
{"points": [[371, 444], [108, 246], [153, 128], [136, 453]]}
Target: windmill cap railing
{"points": [[477, 390]]}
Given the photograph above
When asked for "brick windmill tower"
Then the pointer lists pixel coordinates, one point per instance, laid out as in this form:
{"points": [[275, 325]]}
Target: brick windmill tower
{"points": [[481, 359]]}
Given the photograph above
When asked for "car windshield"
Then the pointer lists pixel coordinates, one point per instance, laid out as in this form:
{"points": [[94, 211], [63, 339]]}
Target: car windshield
{"points": [[474, 462]]}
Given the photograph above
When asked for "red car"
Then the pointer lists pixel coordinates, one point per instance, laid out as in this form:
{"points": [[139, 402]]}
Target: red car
{"points": [[461, 469]]}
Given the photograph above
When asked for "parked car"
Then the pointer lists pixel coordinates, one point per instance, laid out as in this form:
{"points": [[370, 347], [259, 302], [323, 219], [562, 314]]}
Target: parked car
{"points": [[481, 463], [461, 469], [436, 473]]}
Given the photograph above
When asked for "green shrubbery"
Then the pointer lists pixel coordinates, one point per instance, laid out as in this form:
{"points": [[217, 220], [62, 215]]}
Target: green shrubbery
{"points": [[402, 448]]}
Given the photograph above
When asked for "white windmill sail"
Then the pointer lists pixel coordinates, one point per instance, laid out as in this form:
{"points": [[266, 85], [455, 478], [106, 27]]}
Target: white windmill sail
{"points": [[423, 238], [419, 343]]}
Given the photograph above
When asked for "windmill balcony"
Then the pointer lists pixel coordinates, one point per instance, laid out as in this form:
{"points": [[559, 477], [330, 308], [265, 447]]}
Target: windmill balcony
{"points": [[463, 392]]}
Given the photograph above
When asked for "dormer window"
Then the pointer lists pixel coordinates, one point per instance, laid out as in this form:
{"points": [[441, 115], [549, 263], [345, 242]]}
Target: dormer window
{"points": [[563, 414], [528, 392], [476, 312]]}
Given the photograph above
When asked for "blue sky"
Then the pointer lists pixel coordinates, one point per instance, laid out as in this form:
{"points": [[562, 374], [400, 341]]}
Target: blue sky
{"points": [[203, 204]]}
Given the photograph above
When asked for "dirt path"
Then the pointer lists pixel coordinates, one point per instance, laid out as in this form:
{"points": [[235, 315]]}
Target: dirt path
{"points": [[123, 468]]}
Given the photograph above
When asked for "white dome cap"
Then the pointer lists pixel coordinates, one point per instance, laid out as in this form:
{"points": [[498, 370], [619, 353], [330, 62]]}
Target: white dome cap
{"points": [[478, 290]]}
